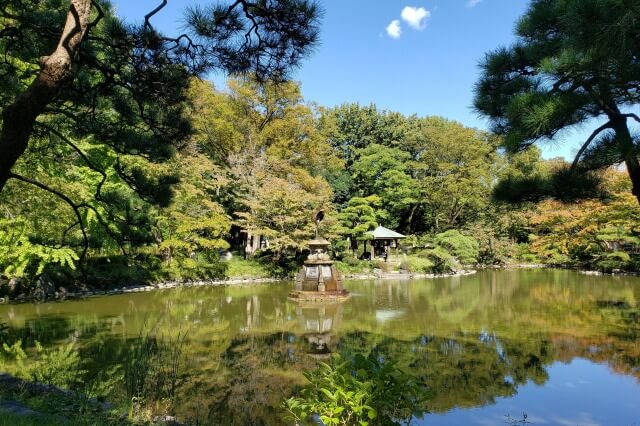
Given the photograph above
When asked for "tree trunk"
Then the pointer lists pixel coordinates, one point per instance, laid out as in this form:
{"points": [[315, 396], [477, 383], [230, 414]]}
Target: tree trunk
{"points": [[19, 117], [629, 155], [354, 245]]}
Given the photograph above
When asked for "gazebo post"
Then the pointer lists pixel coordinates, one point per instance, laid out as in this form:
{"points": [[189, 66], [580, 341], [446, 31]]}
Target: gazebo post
{"points": [[396, 243]]}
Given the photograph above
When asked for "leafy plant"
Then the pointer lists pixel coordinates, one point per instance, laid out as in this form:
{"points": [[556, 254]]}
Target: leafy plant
{"points": [[417, 264], [359, 391], [60, 367], [442, 260], [18, 255], [466, 249]]}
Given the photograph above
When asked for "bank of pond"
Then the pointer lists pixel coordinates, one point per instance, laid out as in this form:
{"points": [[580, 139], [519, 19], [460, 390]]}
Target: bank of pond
{"points": [[544, 346]]}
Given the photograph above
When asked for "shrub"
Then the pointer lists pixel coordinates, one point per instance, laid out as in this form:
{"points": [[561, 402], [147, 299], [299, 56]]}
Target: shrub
{"points": [[238, 267], [360, 391], [59, 367], [466, 249], [417, 264], [617, 260], [443, 262], [352, 265], [382, 265]]}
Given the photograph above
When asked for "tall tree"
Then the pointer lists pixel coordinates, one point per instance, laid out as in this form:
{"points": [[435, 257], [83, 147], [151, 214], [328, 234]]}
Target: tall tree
{"points": [[385, 172], [350, 127], [99, 99], [575, 62], [455, 167]]}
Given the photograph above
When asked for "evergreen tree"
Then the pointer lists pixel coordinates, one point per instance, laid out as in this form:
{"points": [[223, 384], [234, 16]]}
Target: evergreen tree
{"points": [[575, 62]]}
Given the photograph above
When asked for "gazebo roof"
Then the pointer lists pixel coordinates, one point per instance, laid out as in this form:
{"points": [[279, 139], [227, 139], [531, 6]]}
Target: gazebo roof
{"points": [[382, 233]]}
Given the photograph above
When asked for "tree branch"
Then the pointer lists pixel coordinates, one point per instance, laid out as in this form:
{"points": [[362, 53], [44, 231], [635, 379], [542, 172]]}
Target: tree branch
{"points": [[584, 147], [88, 162], [147, 17], [98, 18], [69, 201]]}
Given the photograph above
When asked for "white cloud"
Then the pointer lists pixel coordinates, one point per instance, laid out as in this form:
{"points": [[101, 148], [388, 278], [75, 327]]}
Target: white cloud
{"points": [[393, 29], [416, 17], [472, 3]]}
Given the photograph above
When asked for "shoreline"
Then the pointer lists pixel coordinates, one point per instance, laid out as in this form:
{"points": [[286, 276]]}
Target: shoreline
{"points": [[82, 294]]}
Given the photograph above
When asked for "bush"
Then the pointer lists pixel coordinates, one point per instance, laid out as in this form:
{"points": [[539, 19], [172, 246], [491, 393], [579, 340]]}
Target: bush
{"points": [[417, 264], [245, 268], [360, 391], [443, 262], [351, 265], [59, 367], [382, 265], [466, 249], [617, 260]]}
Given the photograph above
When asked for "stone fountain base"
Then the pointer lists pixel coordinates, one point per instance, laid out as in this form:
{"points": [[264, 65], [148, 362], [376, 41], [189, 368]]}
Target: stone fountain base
{"points": [[319, 296]]}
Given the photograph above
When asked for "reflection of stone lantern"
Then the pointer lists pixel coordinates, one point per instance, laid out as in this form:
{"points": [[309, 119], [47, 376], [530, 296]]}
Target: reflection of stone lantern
{"points": [[318, 321], [319, 279]]}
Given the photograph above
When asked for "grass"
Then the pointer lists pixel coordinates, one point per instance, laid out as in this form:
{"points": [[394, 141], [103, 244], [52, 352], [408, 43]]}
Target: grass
{"points": [[8, 419], [57, 410], [354, 267], [245, 268]]}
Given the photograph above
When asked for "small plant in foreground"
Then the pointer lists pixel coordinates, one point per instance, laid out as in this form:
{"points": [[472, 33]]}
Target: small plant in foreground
{"points": [[361, 391]]}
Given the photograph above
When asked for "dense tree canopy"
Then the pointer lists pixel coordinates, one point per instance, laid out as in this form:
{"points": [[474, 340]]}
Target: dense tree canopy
{"points": [[575, 62], [87, 97]]}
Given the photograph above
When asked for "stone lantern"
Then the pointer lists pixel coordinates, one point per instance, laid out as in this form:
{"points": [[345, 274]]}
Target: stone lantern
{"points": [[318, 278]]}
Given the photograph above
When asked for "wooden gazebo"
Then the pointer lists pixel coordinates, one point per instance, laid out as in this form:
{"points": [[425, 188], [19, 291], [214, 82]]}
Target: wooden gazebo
{"points": [[383, 240]]}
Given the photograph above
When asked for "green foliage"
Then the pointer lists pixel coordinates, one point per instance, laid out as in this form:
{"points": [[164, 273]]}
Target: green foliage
{"points": [[382, 265], [61, 366], [97, 179], [245, 268], [603, 235], [351, 265], [152, 370], [465, 249], [360, 391], [562, 73], [57, 409], [417, 264], [384, 171], [455, 167], [360, 216], [615, 261], [20, 257], [443, 261]]}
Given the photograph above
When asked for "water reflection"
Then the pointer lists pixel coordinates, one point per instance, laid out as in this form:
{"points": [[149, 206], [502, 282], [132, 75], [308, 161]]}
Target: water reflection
{"points": [[473, 341], [318, 321]]}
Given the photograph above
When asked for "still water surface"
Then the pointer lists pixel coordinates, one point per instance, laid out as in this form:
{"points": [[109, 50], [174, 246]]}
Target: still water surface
{"points": [[560, 346]]}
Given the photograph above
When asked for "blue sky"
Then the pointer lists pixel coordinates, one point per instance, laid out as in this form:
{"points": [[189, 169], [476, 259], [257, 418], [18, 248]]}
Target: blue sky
{"points": [[415, 57]]}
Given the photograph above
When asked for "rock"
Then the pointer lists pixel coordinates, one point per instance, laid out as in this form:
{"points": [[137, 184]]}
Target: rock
{"points": [[44, 288], [15, 407], [166, 420], [14, 286]]}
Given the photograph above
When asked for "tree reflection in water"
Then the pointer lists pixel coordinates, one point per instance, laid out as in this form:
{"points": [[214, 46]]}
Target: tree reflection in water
{"points": [[470, 340]]}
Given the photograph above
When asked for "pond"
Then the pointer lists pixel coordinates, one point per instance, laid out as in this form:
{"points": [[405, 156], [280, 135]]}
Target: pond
{"points": [[560, 346]]}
